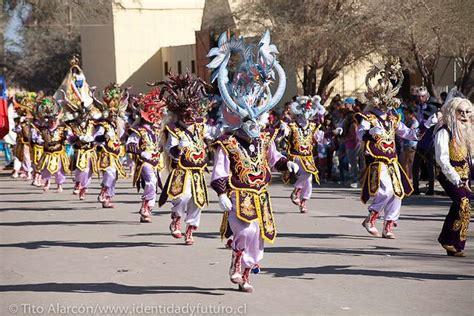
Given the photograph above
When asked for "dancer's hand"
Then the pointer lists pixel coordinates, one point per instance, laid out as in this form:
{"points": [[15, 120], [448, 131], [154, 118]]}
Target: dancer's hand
{"points": [[463, 184], [337, 131], [292, 167], [224, 202], [432, 120], [110, 133], [183, 143], [376, 130], [145, 155], [86, 138]]}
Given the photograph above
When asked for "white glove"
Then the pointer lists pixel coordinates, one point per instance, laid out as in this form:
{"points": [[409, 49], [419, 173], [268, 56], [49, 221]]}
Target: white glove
{"points": [[111, 133], [225, 203], [284, 127], [462, 184], [376, 130], [183, 143], [145, 155], [292, 167], [337, 131], [432, 120], [86, 138]]}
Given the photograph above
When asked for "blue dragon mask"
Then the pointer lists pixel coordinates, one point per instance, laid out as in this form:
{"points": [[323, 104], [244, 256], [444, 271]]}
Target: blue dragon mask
{"points": [[245, 89]]}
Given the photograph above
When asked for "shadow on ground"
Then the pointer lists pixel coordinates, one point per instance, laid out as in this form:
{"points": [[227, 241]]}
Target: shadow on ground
{"points": [[347, 270]]}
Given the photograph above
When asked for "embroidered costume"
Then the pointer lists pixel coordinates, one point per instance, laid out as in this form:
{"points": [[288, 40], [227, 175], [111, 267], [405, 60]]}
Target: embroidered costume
{"points": [[245, 155], [144, 144], [384, 180], [53, 136], [23, 105], [301, 136], [110, 132], [453, 145], [186, 187]]}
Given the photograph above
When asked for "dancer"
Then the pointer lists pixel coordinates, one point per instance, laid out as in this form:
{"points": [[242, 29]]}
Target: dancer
{"points": [[23, 104], [384, 179], [301, 135], [185, 149], [245, 155], [144, 143], [53, 136], [110, 131], [453, 150]]}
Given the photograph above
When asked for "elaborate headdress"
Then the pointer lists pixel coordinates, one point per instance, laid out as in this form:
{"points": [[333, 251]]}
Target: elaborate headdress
{"points": [[115, 102], [382, 95], [247, 93], [307, 107], [149, 106], [47, 109], [74, 93], [185, 96], [24, 103]]}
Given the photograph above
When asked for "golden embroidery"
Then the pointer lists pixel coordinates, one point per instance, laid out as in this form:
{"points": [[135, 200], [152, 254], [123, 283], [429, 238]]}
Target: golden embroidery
{"points": [[148, 144], [385, 142], [396, 182], [457, 153], [83, 157], [199, 190], [53, 165], [462, 224], [247, 206], [374, 178], [301, 139], [251, 170], [224, 224], [195, 152], [267, 217], [37, 153], [177, 184], [463, 171]]}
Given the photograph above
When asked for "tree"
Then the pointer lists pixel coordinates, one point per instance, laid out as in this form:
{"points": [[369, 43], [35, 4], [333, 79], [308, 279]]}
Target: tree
{"points": [[423, 31], [49, 35], [321, 37]]}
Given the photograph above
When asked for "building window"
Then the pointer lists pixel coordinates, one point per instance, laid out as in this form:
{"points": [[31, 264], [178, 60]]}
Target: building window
{"points": [[166, 68], [193, 66], [179, 67]]}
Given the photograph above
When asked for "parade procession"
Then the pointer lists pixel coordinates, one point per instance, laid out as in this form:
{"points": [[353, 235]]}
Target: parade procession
{"points": [[237, 175]]}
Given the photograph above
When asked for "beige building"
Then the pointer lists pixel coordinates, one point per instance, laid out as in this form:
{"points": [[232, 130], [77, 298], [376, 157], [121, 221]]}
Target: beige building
{"points": [[143, 39]]}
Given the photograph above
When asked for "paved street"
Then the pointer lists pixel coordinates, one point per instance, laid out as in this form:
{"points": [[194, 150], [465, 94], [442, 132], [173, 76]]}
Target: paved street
{"points": [[58, 252]]}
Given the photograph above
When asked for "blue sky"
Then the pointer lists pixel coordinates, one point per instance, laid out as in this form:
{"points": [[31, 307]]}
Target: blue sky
{"points": [[13, 38]]}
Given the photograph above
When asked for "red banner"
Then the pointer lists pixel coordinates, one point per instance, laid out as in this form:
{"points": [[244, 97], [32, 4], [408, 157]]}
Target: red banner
{"points": [[3, 118]]}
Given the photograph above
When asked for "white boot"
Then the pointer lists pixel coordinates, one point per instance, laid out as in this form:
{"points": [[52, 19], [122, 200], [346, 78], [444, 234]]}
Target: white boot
{"points": [[175, 226], [235, 266], [369, 223], [245, 286], [387, 231]]}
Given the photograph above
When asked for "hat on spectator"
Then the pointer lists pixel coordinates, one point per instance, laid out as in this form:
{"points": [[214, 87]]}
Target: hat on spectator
{"points": [[350, 101]]}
